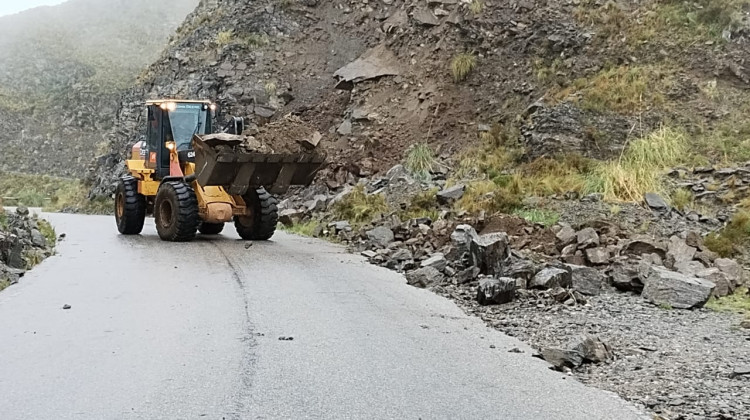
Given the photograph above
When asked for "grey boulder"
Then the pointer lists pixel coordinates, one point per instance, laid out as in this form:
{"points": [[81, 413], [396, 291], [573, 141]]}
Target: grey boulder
{"points": [[664, 287], [496, 290]]}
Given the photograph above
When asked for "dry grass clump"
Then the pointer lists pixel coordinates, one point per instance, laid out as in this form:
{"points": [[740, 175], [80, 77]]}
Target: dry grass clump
{"points": [[420, 160], [624, 89], [358, 207], [641, 168], [461, 65], [732, 238]]}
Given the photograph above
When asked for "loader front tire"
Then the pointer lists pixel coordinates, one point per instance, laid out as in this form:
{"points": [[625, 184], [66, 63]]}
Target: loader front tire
{"points": [[176, 212], [130, 207], [260, 224], [211, 228]]}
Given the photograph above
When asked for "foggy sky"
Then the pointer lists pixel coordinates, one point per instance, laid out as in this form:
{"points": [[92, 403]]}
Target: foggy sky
{"points": [[14, 6]]}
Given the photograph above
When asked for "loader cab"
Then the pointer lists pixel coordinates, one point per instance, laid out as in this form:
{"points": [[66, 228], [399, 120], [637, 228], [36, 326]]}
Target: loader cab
{"points": [[175, 121]]}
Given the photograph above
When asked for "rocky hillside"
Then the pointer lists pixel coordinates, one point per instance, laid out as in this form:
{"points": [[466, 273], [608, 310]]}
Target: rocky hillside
{"points": [[554, 78], [59, 81]]}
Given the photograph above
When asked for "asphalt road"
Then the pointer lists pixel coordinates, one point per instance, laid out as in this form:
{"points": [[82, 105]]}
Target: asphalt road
{"points": [[192, 331]]}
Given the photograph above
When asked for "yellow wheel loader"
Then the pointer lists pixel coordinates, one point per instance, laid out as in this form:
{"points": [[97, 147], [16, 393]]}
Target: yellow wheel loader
{"points": [[194, 180]]}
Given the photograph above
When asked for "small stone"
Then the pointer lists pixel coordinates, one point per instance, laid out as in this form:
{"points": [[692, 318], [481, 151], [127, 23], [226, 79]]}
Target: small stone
{"points": [[369, 254], [436, 261], [592, 348], [560, 358], [345, 128], [566, 236], [656, 202], [286, 338], [587, 238], [248, 245], [66, 306], [741, 371]]}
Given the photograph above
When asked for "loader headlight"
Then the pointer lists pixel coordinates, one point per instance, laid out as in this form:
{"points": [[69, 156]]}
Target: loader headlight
{"points": [[170, 145], [169, 106]]}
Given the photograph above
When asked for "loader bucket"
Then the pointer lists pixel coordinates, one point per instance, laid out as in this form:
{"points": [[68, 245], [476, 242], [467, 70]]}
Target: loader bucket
{"points": [[218, 163]]}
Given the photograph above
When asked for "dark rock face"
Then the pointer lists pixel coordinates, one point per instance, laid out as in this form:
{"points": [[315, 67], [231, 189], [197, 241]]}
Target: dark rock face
{"points": [[565, 128]]}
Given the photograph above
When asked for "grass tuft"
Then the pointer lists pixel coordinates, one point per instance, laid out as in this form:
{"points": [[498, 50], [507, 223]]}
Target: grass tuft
{"points": [[624, 89], [682, 199], [738, 302], [302, 229], [641, 167], [224, 38], [476, 7], [461, 65], [420, 160], [546, 218], [732, 238], [358, 207], [46, 229]]}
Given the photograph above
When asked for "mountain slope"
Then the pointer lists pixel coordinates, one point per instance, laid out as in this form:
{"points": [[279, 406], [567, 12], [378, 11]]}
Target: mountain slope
{"points": [[542, 78], [61, 69]]}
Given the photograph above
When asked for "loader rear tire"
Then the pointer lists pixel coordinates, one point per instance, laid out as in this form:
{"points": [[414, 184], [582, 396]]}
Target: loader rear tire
{"points": [[130, 207], [176, 212], [260, 225], [211, 228]]}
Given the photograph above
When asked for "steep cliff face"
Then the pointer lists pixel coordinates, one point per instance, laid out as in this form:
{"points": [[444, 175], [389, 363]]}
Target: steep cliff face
{"points": [[60, 80], [555, 78]]}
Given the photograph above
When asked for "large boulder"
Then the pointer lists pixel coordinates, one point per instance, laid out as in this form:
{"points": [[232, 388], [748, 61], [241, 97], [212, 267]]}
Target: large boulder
{"points": [[678, 252], [425, 277], [380, 236], [676, 290], [436, 261], [587, 280], [451, 195], [496, 290], [489, 252], [551, 277], [592, 348], [587, 238], [624, 276], [461, 241], [735, 273], [641, 244]]}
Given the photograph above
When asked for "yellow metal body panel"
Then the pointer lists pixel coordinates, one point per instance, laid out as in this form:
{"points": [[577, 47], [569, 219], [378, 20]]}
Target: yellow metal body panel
{"points": [[207, 196]]}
